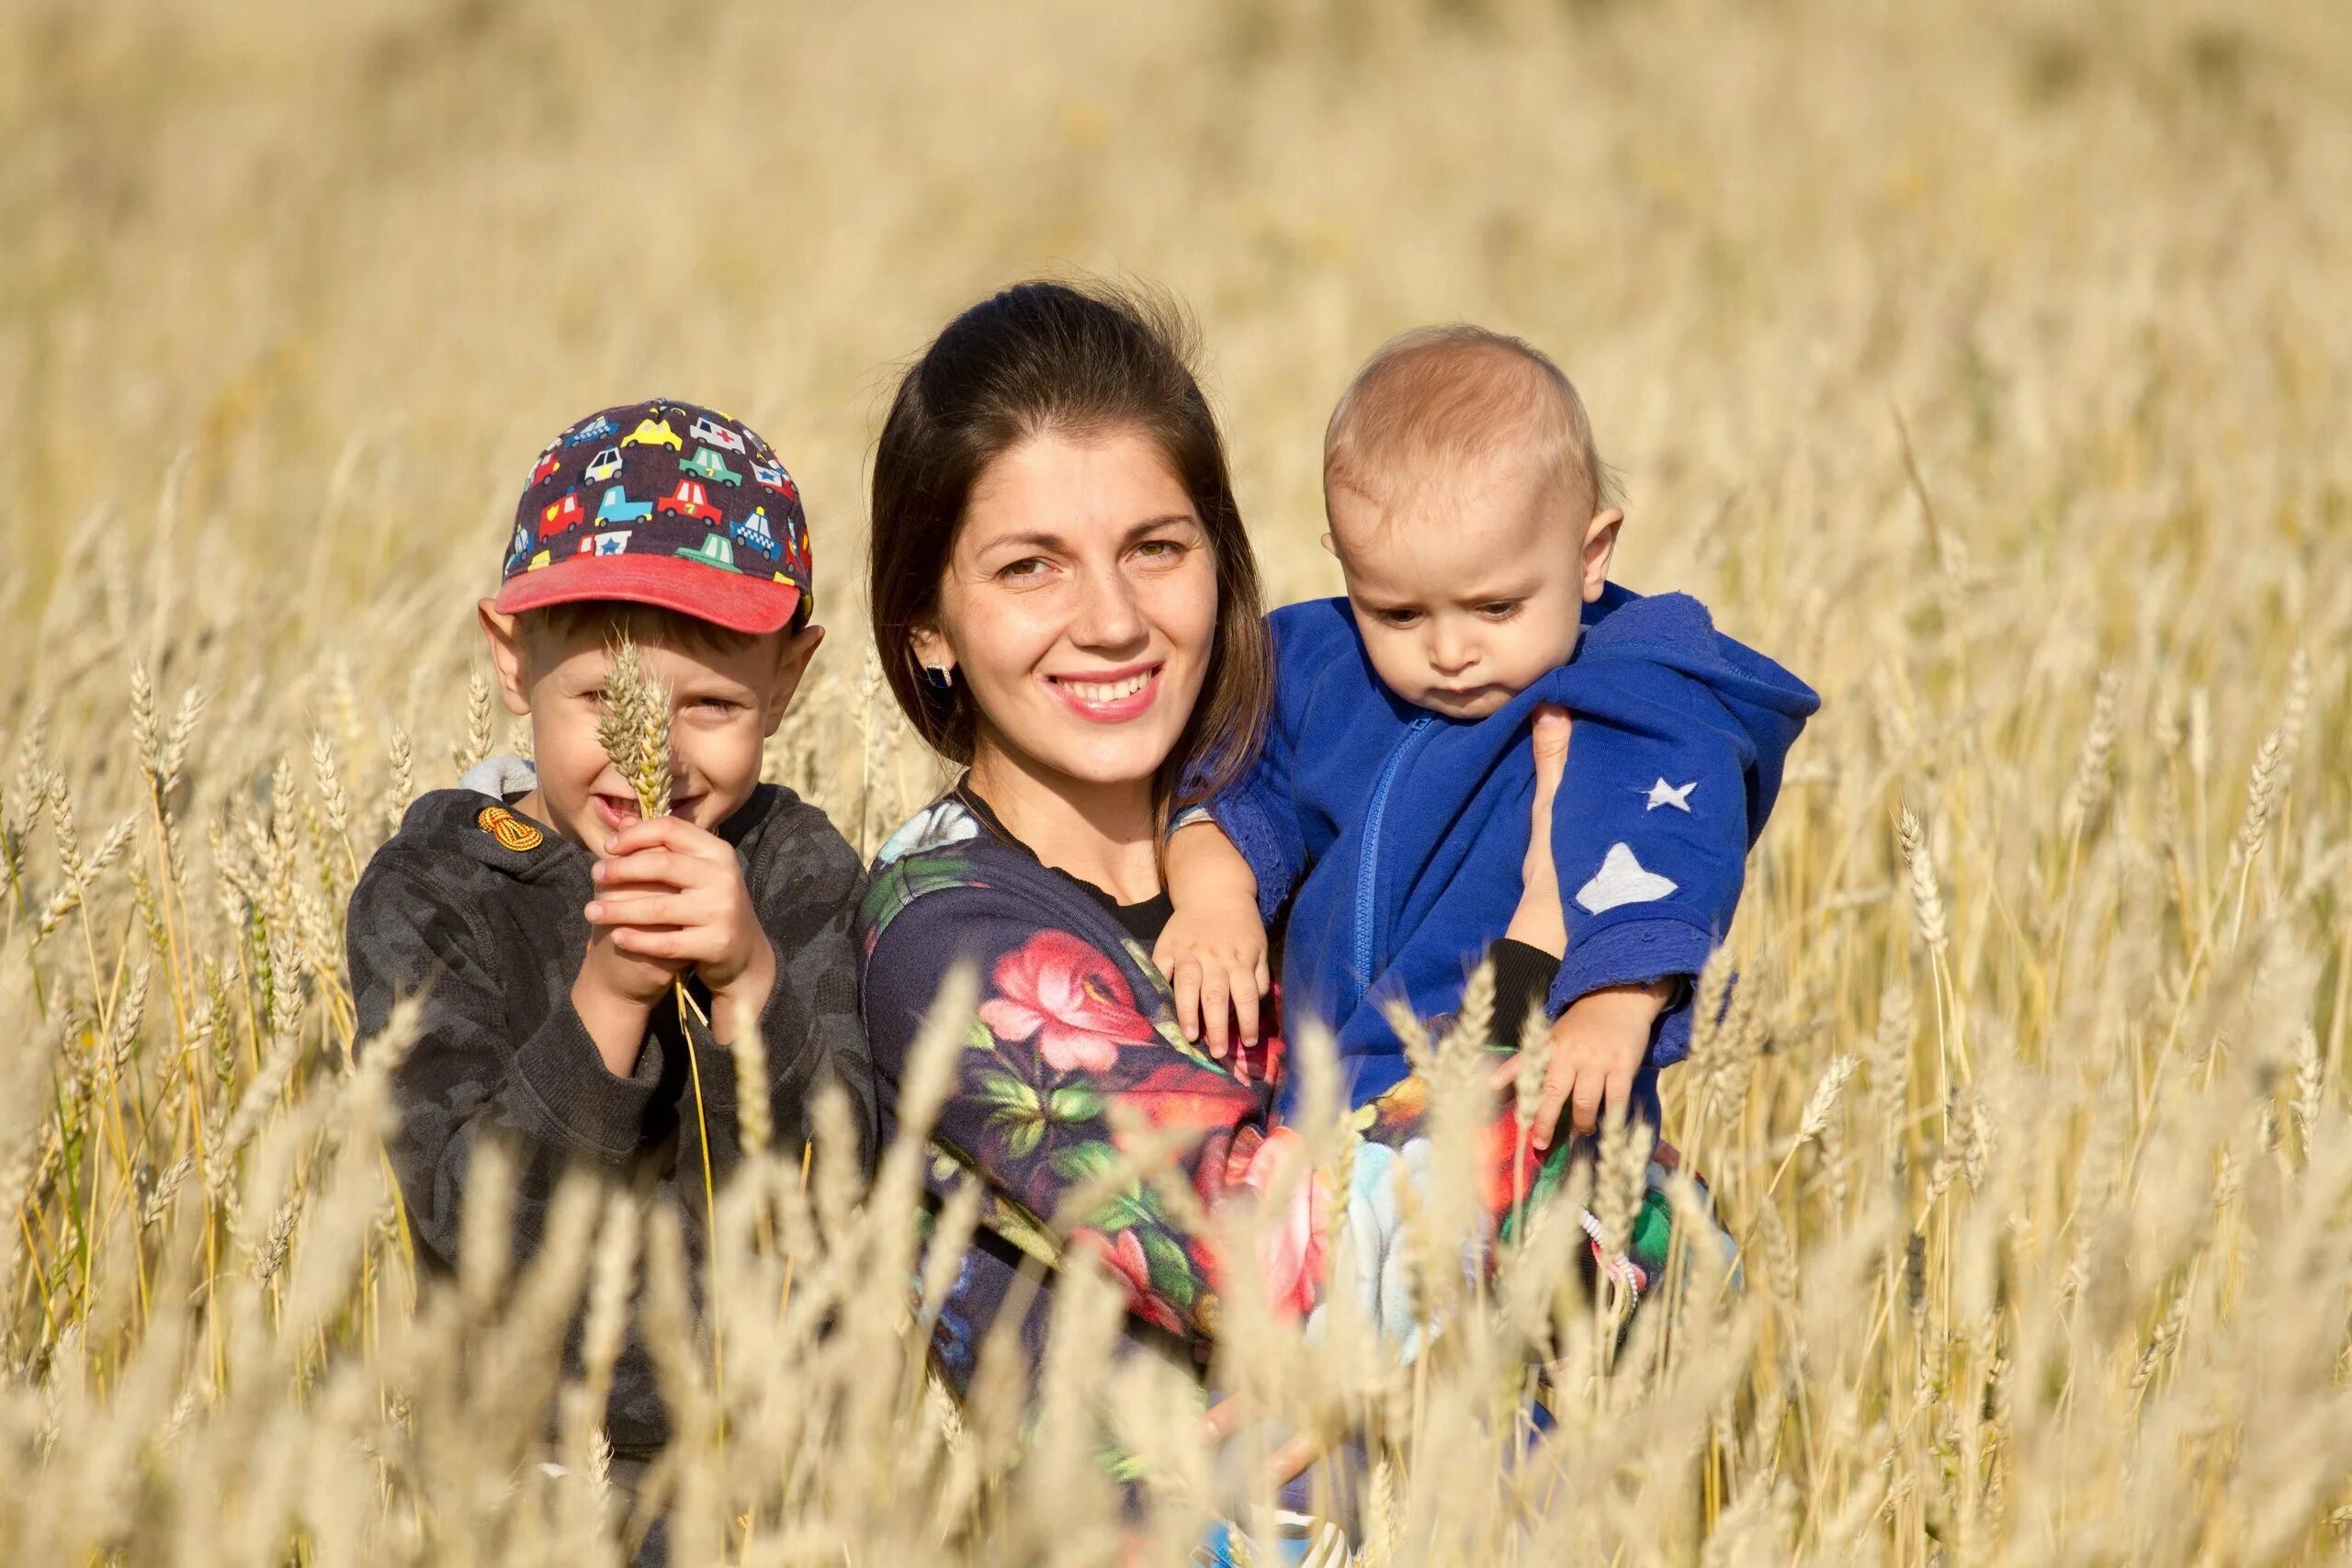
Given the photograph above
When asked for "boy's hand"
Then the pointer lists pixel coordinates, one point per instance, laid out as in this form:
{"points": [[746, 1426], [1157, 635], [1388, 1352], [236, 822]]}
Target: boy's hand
{"points": [[623, 976], [672, 893], [1213, 947], [613, 994], [1596, 1050]]}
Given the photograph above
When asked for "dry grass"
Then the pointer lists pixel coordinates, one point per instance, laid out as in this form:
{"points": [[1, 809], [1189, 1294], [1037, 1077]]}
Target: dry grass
{"points": [[1990, 365]]}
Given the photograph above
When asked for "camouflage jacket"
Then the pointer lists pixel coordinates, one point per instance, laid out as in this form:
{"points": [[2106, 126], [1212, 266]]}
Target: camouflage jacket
{"points": [[478, 910]]}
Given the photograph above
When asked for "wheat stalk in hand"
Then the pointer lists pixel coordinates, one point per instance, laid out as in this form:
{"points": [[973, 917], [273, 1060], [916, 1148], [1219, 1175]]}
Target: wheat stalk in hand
{"points": [[635, 733]]}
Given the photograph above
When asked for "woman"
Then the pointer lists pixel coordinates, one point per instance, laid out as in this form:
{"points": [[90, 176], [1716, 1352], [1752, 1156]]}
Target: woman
{"points": [[1066, 606]]}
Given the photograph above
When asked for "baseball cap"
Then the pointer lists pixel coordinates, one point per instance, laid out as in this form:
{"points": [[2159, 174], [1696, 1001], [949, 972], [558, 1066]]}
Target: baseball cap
{"points": [[661, 503]]}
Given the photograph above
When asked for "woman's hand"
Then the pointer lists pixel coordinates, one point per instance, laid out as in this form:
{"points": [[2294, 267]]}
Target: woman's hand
{"points": [[1595, 1052], [1289, 1459], [1539, 920], [1597, 1046]]}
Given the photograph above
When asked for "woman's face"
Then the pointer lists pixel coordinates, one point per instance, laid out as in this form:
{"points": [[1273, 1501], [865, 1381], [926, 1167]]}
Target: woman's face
{"points": [[1079, 608]]}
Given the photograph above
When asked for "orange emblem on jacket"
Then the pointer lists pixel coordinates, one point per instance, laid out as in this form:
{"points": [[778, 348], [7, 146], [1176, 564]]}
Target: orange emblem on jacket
{"points": [[510, 830]]}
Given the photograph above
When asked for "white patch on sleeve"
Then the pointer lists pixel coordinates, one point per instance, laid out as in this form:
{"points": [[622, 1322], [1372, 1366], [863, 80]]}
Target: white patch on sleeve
{"points": [[1676, 796], [1622, 879]]}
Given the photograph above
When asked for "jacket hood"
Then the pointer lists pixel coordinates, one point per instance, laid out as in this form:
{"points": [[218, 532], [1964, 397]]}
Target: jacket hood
{"points": [[485, 831], [1675, 630]]}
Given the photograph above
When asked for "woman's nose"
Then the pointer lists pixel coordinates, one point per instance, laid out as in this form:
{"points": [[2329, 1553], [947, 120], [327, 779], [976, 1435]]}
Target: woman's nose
{"points": [[1107, 615]]}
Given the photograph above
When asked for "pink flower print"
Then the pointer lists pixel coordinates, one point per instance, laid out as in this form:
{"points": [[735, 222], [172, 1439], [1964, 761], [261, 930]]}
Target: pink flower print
{"points": [[1070, 998], [1124, 1258], [1291, 1244]]}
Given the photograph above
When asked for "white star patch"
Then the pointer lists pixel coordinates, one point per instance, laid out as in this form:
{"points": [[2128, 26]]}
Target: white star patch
{"points": [[1676, 796], [1622, 879]]}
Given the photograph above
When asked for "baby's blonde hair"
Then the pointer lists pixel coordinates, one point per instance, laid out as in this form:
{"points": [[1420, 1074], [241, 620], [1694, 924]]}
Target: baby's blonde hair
{"points": [[1439, 396]]}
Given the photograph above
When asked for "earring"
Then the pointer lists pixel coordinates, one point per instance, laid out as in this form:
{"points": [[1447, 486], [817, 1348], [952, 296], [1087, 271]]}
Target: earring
{"points": [[939, 677]]}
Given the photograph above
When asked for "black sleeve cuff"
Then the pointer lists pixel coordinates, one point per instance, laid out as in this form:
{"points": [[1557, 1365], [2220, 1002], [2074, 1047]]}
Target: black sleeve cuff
{"points": [[581, 1103], [1522, 979]]}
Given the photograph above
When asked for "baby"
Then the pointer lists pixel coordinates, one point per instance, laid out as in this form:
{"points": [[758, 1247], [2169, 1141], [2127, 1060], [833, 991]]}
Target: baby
{"points": [[1475, 523]]}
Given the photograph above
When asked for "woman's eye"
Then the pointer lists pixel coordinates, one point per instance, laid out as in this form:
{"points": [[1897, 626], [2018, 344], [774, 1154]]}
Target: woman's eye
{"points": [[1161, 552], [1028, 570]]}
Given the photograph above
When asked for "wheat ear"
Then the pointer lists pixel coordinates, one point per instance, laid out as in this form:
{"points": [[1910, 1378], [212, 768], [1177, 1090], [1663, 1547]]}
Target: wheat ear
{"points": [[635, 732]]}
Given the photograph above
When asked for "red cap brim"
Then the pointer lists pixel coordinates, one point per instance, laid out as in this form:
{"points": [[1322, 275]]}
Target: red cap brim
{"points": [[738, 601]]}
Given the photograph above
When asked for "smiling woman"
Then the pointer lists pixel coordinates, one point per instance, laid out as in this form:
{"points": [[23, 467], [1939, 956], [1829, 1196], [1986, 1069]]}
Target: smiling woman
{"points": [[1066, 602], [1055, 451]]}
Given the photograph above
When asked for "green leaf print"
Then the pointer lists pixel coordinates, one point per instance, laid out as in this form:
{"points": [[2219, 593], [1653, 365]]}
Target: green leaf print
{"points": [[1074, 1103], [1127, 1211], [1003, 1089], [1020, 1115], [1087, 1161], [1172, 1269], [888, 894]]}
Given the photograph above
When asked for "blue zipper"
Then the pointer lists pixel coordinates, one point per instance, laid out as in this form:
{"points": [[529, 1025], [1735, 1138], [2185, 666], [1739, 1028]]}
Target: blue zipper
{"points": [[1368, 865]]}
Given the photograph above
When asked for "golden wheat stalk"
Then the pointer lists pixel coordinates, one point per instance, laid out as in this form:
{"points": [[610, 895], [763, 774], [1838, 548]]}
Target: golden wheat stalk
{"points": [[635, 733], [635, 729]]}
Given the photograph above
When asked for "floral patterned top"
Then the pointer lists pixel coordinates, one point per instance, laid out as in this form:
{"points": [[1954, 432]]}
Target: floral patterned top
{"points": [[1073, 1019], [1073, 1016]]}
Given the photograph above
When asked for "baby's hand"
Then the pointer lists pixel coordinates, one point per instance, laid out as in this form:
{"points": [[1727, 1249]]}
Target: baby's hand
{"points": [[1214, 954], [1596, 1049], [1213, 949]]}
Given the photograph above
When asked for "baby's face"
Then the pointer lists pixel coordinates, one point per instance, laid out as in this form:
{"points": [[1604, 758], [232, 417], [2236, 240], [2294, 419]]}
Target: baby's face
{"points": [[1468, 587]]}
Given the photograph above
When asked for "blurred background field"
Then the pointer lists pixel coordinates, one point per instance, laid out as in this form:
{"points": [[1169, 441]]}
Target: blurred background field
{"points": [[1988, 364]]}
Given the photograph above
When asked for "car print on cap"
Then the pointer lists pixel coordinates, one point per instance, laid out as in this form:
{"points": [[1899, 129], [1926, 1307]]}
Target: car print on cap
{"points": [[714, 550], [689, 499], [650, 432], [710, 430], [666, 503], [559, 515], [616, 507], [754, 534], [709, 465]]}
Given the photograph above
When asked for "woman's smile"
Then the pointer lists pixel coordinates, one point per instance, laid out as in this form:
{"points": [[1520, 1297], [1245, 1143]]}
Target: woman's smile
{"points": [[1109, 697]]}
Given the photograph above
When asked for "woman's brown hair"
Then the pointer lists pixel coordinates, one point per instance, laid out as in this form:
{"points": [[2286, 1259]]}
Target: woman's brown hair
{"points": [[1041, 357]]}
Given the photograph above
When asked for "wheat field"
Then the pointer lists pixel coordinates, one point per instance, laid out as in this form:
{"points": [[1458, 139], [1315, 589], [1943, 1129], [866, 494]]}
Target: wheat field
{"points": [[1990, 365]]}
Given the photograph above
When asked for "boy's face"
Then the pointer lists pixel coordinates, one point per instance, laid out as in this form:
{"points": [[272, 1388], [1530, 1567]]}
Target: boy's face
{"points": [[1468, 585], [723, 704]]}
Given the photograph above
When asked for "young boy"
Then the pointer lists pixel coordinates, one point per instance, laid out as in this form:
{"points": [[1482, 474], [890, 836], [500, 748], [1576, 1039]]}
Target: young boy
{"points": [[545, 922], [1473, 524]]}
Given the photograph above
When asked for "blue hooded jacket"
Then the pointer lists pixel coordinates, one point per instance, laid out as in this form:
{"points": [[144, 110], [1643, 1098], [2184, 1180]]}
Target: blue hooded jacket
{"points": [[1397, 835]]}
